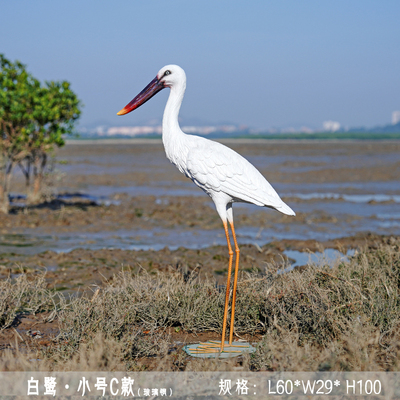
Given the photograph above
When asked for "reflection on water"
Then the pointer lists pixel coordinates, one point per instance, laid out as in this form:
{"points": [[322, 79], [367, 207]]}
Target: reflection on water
{"points": [[372, 187], [328, 257], [325, 210], [352, 198], [329, 215], [33, 242], [155, 189], [17, 241], [326, 219], [18, 200], [388, 215]]}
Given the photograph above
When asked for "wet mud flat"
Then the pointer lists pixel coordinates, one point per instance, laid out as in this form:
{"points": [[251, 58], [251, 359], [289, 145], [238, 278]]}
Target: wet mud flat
{"points": [[123, 206], [81, 268], [121, 203]]}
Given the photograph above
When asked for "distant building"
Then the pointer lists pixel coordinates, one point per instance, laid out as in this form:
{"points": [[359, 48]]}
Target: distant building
{"points": [[306, 129], [157, 130], [331, 126], [202, 130], [133, 130], [395, 117]]}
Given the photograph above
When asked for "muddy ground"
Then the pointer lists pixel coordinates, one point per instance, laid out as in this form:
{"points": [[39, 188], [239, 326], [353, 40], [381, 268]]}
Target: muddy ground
{"points": [[85, 167]]}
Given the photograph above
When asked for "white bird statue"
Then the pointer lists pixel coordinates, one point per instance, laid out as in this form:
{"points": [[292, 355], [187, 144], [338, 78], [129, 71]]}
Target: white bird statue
{"points": [[222, 173]]}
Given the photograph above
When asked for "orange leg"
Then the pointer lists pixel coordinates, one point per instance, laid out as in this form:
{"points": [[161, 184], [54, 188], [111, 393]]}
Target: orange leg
{"points": [[228, 285], [237, 251]]}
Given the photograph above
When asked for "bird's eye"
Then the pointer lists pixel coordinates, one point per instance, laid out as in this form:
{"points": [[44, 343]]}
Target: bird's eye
{"points": [[167, 72]]}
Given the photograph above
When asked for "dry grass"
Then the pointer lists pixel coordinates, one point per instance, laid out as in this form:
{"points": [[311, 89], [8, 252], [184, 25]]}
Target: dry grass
{"points": [[23, 295], [319, 318]]}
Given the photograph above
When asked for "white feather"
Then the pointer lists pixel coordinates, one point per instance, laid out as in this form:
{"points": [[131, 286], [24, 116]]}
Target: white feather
{"points": [[222, 173]]}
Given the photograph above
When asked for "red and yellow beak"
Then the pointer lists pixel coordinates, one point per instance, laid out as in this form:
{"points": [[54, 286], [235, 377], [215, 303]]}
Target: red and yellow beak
{"points": [[146, 94]]}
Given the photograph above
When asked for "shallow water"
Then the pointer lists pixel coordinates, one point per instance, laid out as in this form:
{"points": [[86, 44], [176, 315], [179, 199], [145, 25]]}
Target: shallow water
{"points": [[378, 218], [33, 241], [336, 189], [328, 257]]}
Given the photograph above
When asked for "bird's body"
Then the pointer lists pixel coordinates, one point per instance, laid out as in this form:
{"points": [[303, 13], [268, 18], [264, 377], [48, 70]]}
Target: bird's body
{"points": [[223, 174]]}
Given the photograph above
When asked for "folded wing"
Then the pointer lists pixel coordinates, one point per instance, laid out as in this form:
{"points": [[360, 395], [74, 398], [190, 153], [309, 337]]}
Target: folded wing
{"points": [[217, 168]]}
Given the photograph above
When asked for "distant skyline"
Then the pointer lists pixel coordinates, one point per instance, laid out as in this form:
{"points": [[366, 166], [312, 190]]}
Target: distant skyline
{"points": [[261, 64]]}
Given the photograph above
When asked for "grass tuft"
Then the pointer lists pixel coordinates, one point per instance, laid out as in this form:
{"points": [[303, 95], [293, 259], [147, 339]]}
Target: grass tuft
{"points": [[312, 319], [24, 295]]}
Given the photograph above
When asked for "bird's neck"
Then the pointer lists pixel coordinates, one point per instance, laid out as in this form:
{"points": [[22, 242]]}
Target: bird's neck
{"points": [[172, 135]]}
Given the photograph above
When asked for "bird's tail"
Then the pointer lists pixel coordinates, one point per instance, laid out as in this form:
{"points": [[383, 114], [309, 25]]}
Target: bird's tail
{"points": [[285, 209]]}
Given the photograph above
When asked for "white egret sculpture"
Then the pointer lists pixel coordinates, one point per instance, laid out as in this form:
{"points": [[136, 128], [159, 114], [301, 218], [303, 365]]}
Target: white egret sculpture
{"points": [[222, 173]]}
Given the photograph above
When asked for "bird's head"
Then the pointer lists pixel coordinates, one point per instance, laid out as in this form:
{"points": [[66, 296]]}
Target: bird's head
{"points": [[169, 76]]}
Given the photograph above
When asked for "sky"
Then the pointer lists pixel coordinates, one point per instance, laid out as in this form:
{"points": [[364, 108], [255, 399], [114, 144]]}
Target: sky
{"points": [[262, 64]]}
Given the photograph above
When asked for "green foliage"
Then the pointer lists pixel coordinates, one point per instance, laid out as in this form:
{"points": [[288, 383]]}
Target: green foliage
{"points": [[39, 114], [34, 118]]}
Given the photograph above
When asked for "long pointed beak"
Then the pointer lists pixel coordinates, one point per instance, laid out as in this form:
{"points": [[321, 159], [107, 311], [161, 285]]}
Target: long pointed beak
{"points": [[146, 94]]}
